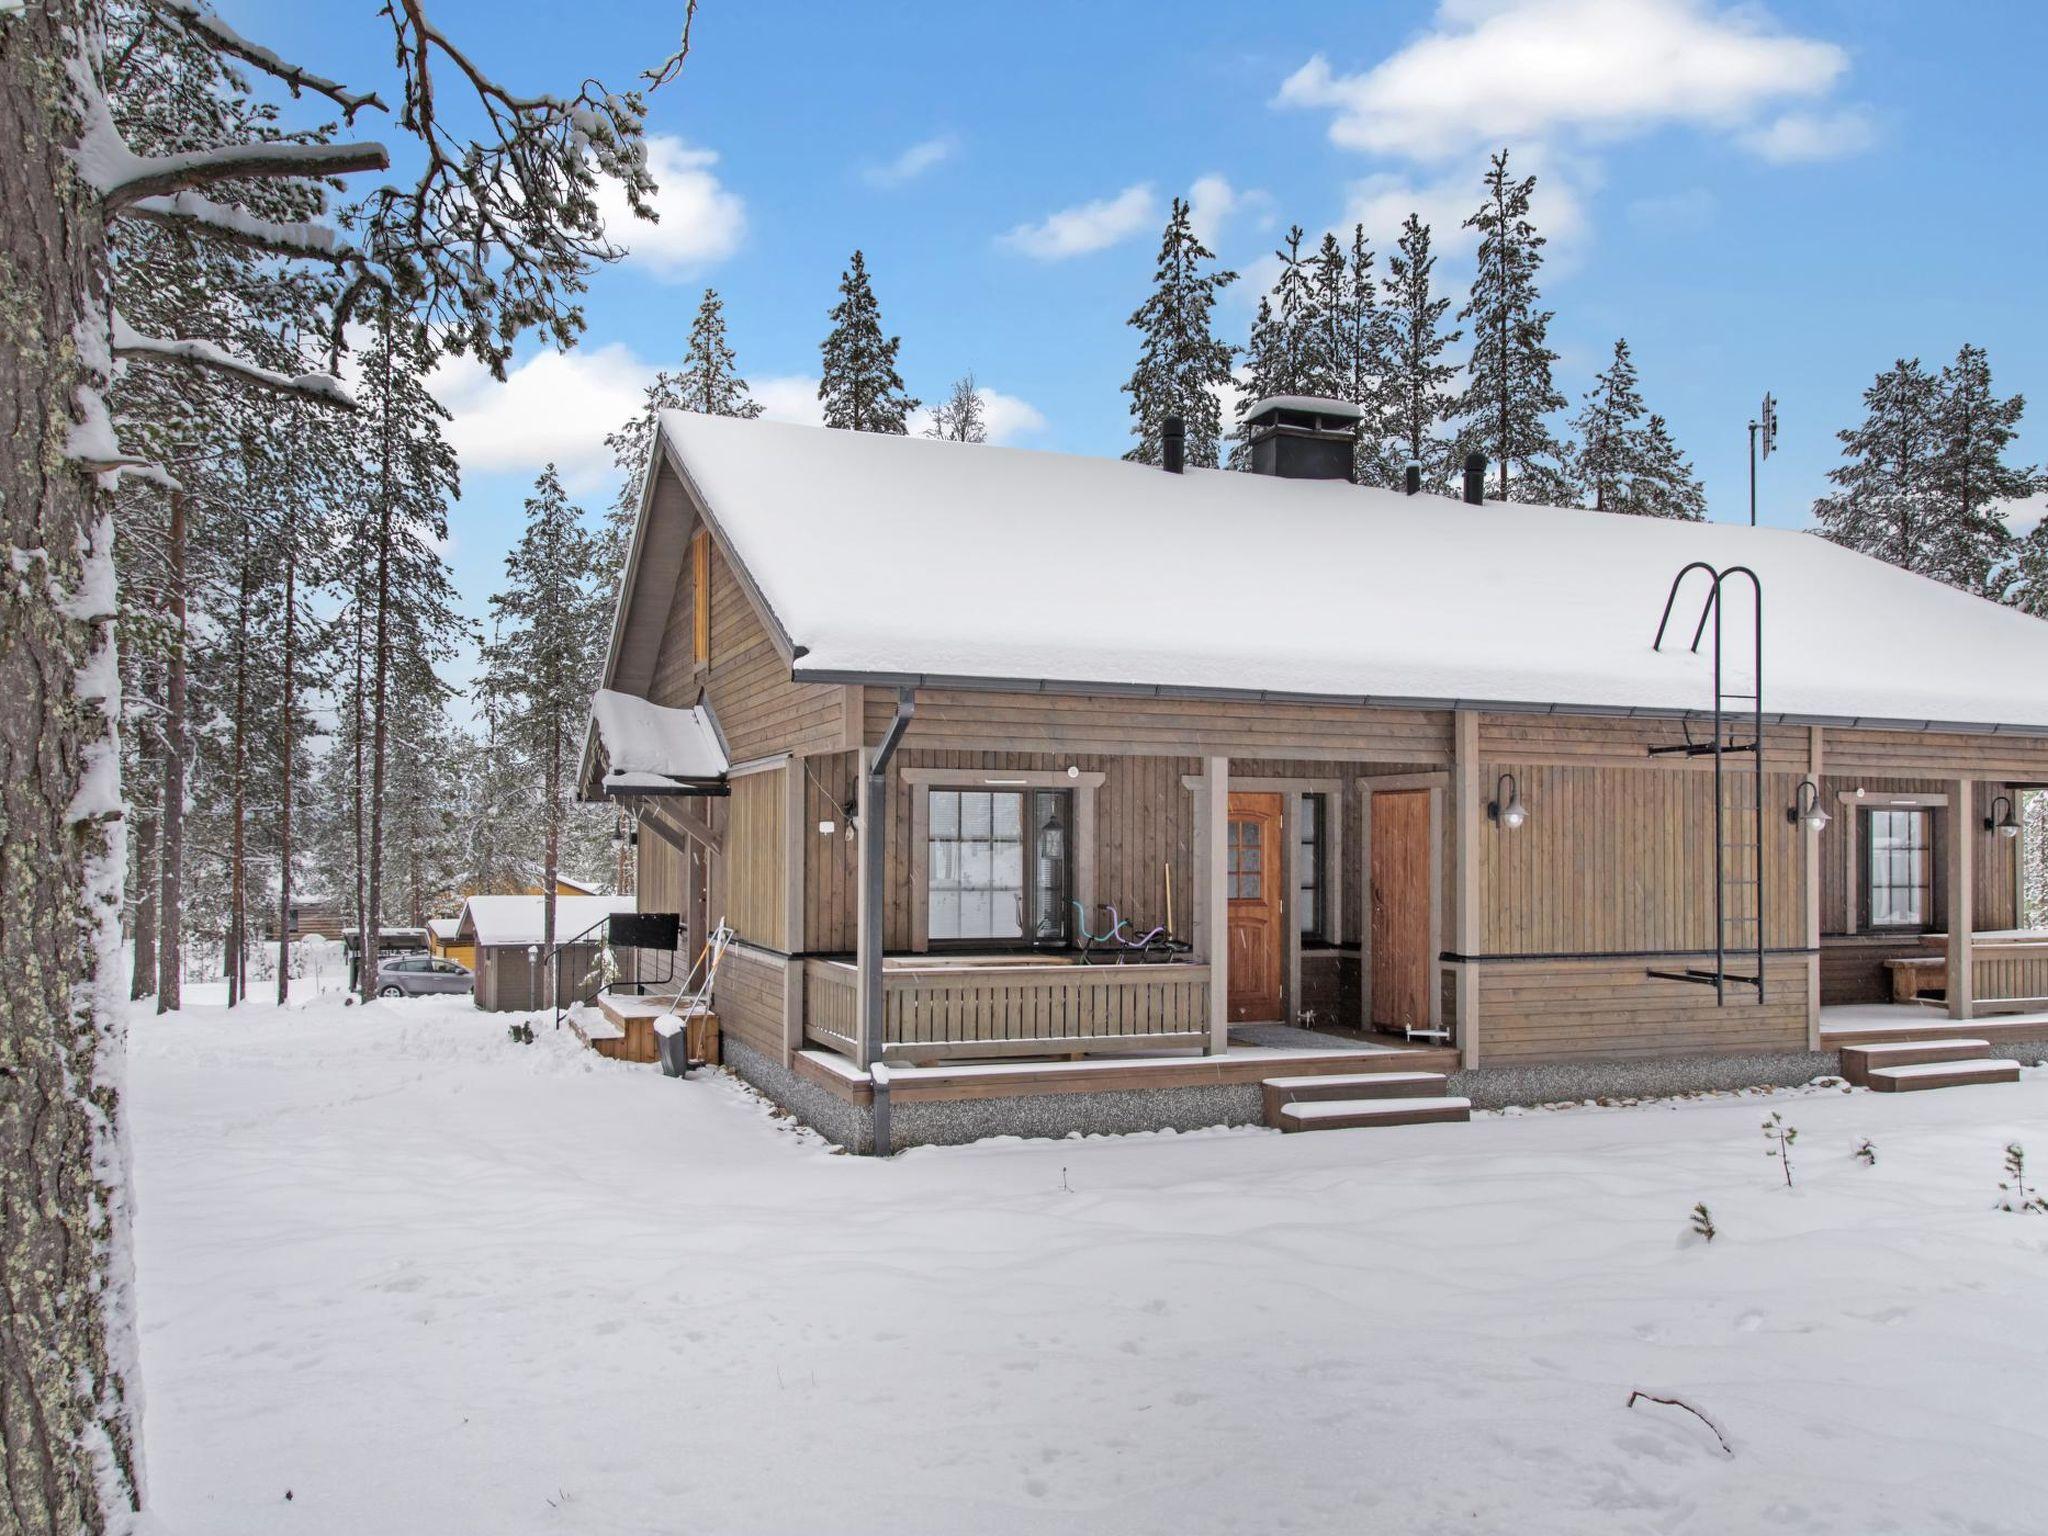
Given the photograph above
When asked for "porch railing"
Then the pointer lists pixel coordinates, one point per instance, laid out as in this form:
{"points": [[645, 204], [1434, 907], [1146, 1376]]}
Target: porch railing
{"points": [[954, 1012]]}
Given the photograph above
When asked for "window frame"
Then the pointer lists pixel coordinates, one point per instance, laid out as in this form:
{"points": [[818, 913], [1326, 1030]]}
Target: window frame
{"points": [[1029, 917], [1082, 786], [1312, 900], [1867, 885]]}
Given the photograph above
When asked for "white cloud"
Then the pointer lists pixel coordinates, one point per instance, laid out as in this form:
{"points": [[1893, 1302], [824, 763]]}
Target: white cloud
{"points": [[1811, 136], [1006, 417], [1214, 203], [1089, 227], [554, 408], [2022, 517], [790, 397], [1383, 201], [1512, 71], [702, 220], [1677, 213], [920, 157]]}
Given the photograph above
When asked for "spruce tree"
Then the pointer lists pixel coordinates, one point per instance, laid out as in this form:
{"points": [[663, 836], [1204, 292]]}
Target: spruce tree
{"points": [[1294, 348], [1351, 347], [860, 386], [1888, 503], [1415, 398], [1265, 375], [1972, 480], [961, 417], [1509, 395], [1663, 483], [1608, 441], [1182, 366]]}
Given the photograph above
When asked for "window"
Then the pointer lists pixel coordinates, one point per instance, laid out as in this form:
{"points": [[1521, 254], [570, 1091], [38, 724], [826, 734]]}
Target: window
{"points": [[1896, 848], [1245, 869], [1308, 894], [700, 596], [998, 867]]}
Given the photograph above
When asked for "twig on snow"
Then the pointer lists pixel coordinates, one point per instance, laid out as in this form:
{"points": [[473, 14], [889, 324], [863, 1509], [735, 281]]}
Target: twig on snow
{"points": [[1679, 1402]]}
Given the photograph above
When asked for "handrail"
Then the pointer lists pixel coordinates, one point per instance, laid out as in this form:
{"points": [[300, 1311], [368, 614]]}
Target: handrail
{"points": [[1671, 598], [555, 986]]}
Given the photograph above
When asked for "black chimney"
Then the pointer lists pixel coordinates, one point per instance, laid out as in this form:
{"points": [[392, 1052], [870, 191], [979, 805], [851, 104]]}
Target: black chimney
{"points": [[1304, 437], [1173, 443], [1475, 477], [1411, 481]]}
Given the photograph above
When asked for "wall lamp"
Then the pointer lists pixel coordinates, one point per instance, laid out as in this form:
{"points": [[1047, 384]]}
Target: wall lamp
{"points": [[1505, 809], [2006, 824], [1806, 808]]}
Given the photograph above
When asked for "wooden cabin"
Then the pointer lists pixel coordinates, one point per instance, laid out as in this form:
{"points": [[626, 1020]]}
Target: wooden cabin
{"points": [[504, 933], [444, 937], [1402, 776]]}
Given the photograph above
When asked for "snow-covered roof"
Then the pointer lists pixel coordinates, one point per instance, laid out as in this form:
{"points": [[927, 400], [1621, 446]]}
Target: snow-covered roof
{"points": [[916, 560], [1318, 405], [495, 920], [648, 746], [443, 928]]}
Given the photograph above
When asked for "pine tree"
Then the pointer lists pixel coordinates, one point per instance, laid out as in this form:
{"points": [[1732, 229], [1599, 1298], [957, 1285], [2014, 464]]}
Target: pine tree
{"points": [[1663, 484], [1972, 480], [1415, 400], [1889, 503], [1292, 350], [1266, 374], [1510, 396], [1351, 350], [962, 418], [1608, 443], [545, 661], [1182, 366], [860, 386]]}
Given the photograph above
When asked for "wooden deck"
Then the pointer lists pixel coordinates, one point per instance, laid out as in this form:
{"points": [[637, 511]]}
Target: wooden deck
{"points": [[1877, 1024]]}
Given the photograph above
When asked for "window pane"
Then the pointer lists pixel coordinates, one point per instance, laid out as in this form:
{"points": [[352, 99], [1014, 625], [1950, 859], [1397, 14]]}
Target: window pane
{"points": [[977, 865], [1009, 815], [1049, 867], [945, 914], [974, 915], [945, 809], [1249, 887], [976, 815], [1308, 895]]}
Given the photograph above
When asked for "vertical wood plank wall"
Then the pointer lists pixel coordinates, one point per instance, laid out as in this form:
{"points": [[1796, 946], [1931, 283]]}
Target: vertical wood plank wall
{"points": [[753, 859]]}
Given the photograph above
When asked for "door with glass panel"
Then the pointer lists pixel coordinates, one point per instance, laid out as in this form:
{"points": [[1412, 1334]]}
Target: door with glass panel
{"points": [[998, 868], [1254, 866]]}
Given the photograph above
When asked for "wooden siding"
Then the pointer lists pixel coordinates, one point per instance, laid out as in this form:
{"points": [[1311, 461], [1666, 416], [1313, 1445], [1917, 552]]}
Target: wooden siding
{"points": [[754, 848], [1594, 740], [1586, 1010], [1852, 966], [1622, 859], [1994, 894], [659, 876], [747, 998], [760, 709], [2011, 972], [1936, 754], [967, 719], [832, 1005]]}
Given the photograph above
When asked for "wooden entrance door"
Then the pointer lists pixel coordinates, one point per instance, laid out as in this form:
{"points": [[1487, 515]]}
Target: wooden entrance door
{"points": [[1255, 864], [1401, 961]]}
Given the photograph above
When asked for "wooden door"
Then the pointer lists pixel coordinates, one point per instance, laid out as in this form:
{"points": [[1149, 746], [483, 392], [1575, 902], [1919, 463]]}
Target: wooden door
{"points": [[1255, 864], [1401, 961]]}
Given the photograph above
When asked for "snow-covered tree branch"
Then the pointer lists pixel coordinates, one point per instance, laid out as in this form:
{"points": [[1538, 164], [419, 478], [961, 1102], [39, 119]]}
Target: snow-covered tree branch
{"points": [[323, 387], [224, 39]]}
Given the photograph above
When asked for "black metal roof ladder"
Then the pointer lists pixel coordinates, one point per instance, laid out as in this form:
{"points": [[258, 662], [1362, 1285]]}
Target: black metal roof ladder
{"points": [[1738, 795]]}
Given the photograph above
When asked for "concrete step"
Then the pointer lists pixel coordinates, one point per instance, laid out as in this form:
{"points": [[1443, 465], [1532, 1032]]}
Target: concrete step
{"points": [[1858, 1060], [1942, 1074], [1348, 1085], [1359, 1114]]}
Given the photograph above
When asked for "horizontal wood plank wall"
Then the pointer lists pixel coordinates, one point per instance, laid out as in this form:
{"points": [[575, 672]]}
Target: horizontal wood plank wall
{"points": [[831, 1005], [1609, 1010], [1594, 740], [1994, 897], [1936, 754], [748, 999], [971, 720], [1615, 858], [753, 856], [1852, 968], [761, 710]]}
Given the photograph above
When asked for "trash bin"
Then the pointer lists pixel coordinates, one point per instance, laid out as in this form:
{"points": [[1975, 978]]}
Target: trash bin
{"points": [[674, 1046]]}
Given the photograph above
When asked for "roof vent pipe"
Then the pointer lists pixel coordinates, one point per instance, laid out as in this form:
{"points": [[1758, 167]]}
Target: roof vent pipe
{"points": [[1411, 480], [1173, 443], [1475, 477]]}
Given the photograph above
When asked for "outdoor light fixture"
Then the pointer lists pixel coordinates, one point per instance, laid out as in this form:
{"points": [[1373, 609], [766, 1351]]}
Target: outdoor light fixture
{"points": [[827, 827], [2006, 825], [1806, 809], [1505, 809]]}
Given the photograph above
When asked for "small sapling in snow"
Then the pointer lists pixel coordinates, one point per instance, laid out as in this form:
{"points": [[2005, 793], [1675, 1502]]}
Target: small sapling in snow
{"points": [[1780, 1136], [1703, 1221], [2016, 1194], [1867, 1153], [521, 1032]]}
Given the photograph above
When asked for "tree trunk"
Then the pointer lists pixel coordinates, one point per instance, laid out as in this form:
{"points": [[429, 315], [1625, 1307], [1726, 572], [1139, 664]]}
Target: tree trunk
{"points": [[358, 730], [381, 662], [170, 901], [553, 862], [144, 822], [67, 1348], [287, 725], [238, 847]]}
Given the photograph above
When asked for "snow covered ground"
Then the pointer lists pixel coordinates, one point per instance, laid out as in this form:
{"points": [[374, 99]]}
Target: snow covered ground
{"points": [[424, 1279]]}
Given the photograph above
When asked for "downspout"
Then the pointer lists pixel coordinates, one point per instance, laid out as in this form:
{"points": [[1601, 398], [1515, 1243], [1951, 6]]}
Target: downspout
{"points": [[874, 834]]}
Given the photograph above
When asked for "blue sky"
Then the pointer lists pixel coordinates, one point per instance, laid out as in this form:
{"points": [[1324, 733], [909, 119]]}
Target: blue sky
{"points": [[1783, 196]]}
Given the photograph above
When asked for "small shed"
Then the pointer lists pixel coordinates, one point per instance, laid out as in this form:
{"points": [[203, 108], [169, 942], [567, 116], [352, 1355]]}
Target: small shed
{"points": [[444, 942], [505, 934]]}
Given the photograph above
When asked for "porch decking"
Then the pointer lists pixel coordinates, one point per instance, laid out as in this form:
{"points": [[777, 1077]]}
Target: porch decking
{"points": [[1879, 1023], [936, 1011]]}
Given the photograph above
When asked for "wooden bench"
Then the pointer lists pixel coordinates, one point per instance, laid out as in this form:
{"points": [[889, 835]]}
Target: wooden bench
{"points": [[1914, 976]]}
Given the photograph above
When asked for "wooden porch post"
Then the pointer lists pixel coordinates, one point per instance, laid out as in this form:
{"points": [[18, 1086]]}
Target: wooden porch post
{"points": [[1961, 861], [1216, 786], [873, 810], [1467, 826], [794, 845], [1809, 843]]}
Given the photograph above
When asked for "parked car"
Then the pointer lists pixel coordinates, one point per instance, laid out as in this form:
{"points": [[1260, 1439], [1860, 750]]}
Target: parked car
{"points": [[418, 975]]}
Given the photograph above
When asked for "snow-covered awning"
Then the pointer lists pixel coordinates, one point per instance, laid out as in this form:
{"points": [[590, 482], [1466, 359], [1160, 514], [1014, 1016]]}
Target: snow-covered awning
{"points": [[650, 749]]}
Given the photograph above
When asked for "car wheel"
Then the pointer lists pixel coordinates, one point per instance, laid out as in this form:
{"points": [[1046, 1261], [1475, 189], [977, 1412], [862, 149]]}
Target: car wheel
{"points": [[391, 991]]}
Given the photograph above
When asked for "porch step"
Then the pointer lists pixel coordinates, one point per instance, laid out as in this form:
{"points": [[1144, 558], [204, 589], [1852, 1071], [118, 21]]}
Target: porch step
{"points": [[1280, 1091], [1942, 1074], [1859, 1060], [1359, 1114]]}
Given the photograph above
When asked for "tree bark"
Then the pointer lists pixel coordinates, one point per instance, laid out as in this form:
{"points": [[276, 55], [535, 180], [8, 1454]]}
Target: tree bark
{"points": [[381, 663], [144, 822], [287, 730], [170, 903], [238, 847], [67, 1348]]}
